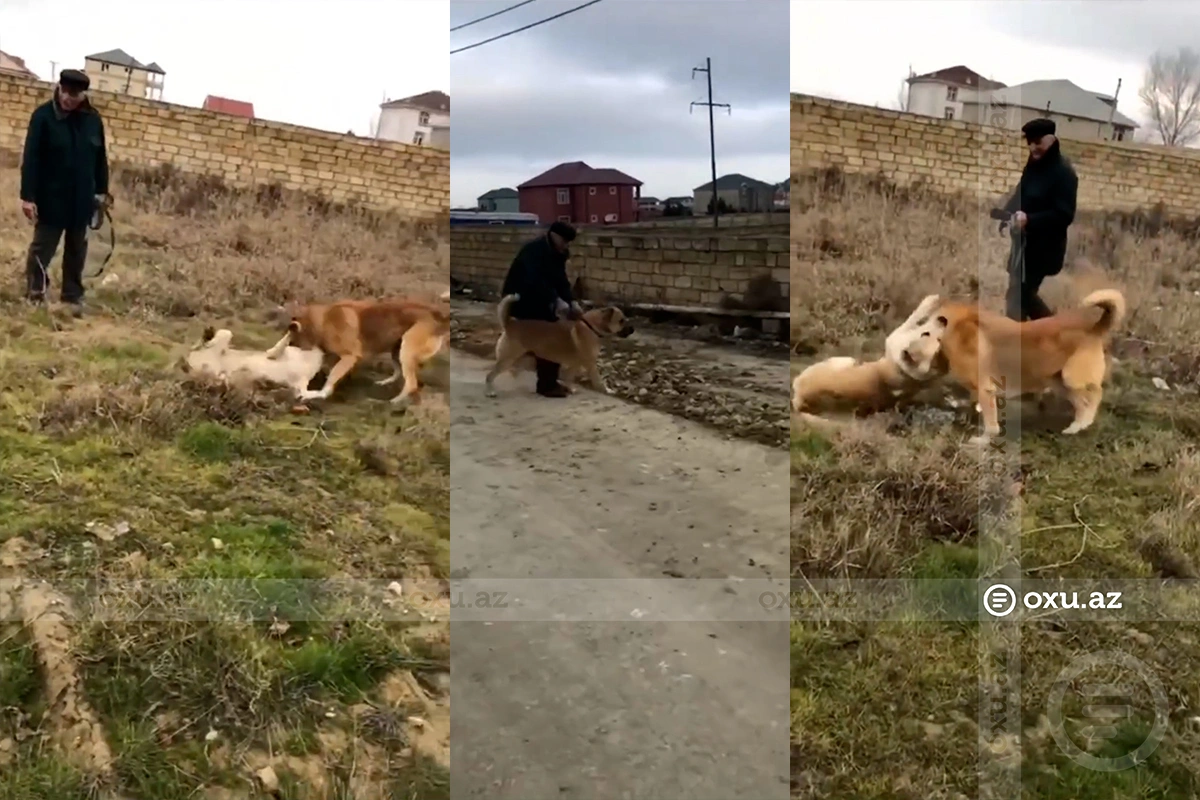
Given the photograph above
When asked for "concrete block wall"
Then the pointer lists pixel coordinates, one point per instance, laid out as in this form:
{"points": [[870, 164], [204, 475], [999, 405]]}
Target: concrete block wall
{"points": [[956, 156], [676, 269], [406, 179]]}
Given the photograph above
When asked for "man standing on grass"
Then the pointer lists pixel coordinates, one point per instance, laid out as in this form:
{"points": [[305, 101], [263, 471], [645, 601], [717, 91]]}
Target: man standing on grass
{"points": [[1043, 207], [539, 275], [64, 175]]}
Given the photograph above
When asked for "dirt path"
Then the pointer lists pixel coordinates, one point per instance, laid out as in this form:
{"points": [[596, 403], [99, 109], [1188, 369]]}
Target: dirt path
{"points": [[593, 487], [739, 390]]}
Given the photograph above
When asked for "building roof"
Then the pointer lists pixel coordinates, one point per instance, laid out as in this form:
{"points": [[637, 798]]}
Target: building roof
{"points": [[957, 76], [499, 194], [734, 180], [1063, 98], [14, 65], [647, 199], [238, 108], [122, 59], [576, 173], [426, 101]]}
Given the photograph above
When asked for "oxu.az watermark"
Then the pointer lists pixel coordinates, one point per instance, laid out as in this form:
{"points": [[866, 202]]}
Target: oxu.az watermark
{"points": [[1000, 600], [478, 600]]}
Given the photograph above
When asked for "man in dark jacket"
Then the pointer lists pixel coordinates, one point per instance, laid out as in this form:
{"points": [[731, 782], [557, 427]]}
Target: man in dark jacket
{"points": [[64, 174], [539, 275], [1043, 207]]}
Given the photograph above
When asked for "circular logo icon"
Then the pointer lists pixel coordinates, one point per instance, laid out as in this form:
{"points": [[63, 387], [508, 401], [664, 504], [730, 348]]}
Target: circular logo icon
{"points": [[999, 600], [1082, 665]]}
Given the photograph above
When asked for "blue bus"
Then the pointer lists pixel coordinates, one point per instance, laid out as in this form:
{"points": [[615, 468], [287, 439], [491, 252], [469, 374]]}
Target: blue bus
{"points": [[494, 218]]}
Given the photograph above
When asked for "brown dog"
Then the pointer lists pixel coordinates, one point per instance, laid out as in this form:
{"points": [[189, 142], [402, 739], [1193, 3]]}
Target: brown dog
{"points": [[573, 344], [412, 332], [993, 356]]}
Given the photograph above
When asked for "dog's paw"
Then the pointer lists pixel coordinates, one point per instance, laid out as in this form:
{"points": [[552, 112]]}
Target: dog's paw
{"points": [[1073, 428], [311, 394], [489, 392], [982, 440]]}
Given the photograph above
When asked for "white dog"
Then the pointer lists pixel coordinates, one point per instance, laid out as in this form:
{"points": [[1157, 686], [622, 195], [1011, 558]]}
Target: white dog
{"points": [[282, 364]]}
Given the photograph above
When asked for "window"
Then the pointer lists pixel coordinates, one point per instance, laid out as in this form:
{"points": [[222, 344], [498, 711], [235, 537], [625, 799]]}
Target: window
{"points": [[564, 218], [612, 190], [104, 67], [424, 118], [595, 218], [951, 93], [591, 190], [1120, 134], [418, 138], [949, 113], [564, 197], [128, 70]]}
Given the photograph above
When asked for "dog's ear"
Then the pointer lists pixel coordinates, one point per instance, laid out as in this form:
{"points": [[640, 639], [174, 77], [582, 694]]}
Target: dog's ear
{"points": [[294, 326], [943, 321], [209, 333]]}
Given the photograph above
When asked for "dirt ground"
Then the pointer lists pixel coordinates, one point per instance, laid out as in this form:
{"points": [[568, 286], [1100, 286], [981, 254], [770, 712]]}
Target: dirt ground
{"points": [[736, 387], [595, 487]]}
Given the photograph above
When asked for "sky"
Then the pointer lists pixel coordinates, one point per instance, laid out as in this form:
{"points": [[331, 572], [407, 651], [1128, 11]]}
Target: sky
{"points": [[1092, 44], [320, 64], [611, 84]]}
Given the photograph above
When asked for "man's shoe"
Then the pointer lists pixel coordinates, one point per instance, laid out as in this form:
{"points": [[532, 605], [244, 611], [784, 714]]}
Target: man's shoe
{"points": [[35, 298], [557, 390], [75, 307]]}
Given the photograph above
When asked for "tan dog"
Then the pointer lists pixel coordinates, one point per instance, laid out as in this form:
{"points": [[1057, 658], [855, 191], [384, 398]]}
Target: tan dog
{"points": [[282, 364], [841, 384], [573, 344], [412, 332], [993, 356]]}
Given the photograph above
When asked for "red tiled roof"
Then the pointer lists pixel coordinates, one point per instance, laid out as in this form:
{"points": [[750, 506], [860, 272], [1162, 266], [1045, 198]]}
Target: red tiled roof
{"points": [[224, 105], [959, 76], [575, 173]]}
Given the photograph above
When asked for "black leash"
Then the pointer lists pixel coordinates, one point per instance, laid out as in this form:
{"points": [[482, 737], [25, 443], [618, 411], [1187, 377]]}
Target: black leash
{"points": [[102, 213]]}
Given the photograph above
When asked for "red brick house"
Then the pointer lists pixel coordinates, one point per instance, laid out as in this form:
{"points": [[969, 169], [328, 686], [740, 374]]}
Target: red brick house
{"points": [[582, 195], [224, 105]]}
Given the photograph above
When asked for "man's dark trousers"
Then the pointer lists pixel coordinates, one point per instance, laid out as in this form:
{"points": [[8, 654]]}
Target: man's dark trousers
{"points": [[547, 375], [41, 253]]}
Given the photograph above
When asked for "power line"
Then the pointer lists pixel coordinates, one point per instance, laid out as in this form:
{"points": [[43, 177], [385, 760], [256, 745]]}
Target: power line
{"points": [[526, 27], [489, 16], [712, 136]]}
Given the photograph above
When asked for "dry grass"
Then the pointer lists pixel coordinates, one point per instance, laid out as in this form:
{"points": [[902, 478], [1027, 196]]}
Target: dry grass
{"points": [[900, 497], [119, 467]]}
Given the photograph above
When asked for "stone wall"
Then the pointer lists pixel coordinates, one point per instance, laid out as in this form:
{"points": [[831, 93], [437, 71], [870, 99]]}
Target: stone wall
{"points": [[677, 268], [956, 156], [410, 180]]}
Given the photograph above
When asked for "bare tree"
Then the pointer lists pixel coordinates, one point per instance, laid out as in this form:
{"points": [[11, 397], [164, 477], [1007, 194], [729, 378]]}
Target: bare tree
{"points": [[1171, 95]]}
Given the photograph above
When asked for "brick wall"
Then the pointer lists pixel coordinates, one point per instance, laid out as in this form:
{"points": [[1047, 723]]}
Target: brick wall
{"points": [[683, 269], [410, 180], [956, 156], [760, 220]]}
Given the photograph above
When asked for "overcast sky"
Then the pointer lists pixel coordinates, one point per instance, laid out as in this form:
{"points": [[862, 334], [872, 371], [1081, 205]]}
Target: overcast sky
{"points": [[316, 63], [1092, 44], [611, 84]]}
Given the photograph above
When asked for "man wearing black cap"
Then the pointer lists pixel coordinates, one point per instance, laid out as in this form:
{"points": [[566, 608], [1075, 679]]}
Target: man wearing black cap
{"points": [[64, 174], [539, 276], [1043, 207]]}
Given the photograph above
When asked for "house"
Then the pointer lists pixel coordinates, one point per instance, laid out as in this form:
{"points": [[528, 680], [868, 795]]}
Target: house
{"points": [[503, 200], [421, 119], [224, 105], [941, 93], [649, 207], [14, 65], [737, 192], [577, 193], [783, 195], [1077, 113], [117, 71]]}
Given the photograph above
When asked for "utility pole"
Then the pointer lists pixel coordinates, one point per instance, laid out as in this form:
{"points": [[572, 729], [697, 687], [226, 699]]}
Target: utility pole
{"points": [[712, 136], [54, 72]]}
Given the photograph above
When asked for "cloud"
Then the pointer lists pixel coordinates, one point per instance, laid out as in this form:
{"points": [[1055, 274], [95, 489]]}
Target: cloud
{"points": [[612, 85]]}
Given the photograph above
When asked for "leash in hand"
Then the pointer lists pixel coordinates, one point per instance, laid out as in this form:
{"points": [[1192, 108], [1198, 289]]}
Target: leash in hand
{"points": [[101, 213]]}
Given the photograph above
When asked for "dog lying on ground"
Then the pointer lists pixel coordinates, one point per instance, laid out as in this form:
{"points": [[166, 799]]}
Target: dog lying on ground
{"points": [[281, 365], [573, 344], [993, 356], [411, 331], [845, 384]]}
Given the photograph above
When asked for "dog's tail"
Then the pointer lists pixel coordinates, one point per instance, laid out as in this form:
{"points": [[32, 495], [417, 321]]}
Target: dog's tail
{"points": [[503, 312], [444, 295], [1112, 303]]}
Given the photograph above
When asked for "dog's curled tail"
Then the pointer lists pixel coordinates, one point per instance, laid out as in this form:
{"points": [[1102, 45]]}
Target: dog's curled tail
{"points": [[444, 295], [503, 310], [1112, 303]]}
